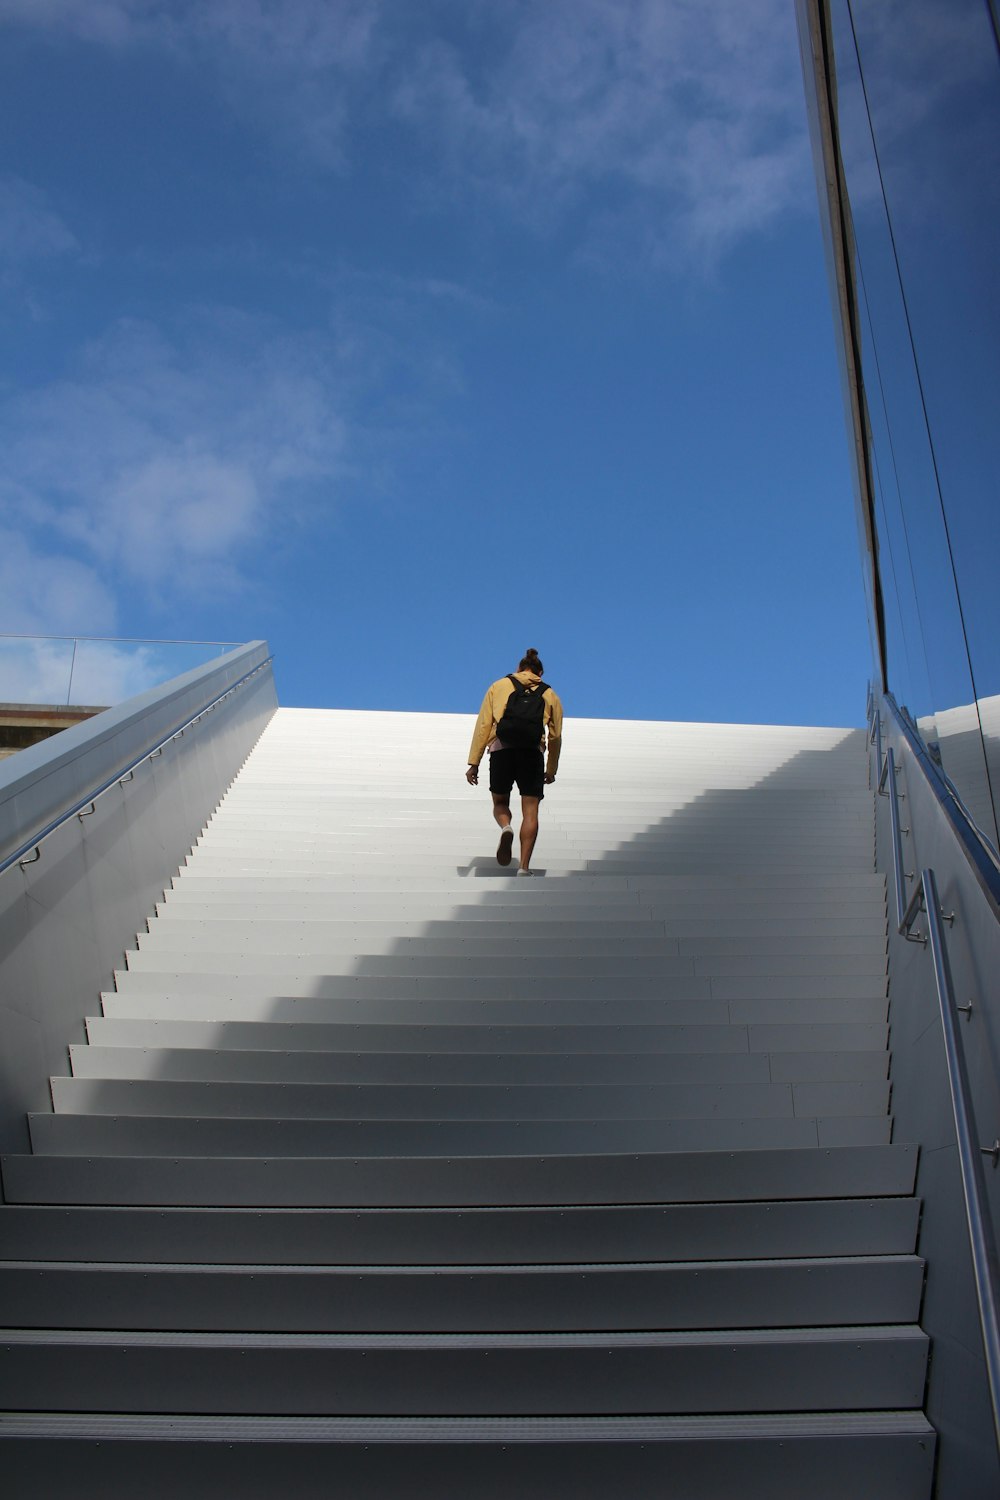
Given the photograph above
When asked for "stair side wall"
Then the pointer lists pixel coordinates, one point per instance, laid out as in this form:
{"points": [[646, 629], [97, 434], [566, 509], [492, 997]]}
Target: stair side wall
{"points": [[65, 919]]}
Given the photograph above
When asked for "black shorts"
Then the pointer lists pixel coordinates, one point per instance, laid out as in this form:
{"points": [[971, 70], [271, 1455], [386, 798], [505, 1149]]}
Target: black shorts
{"points": [[526, 767]]}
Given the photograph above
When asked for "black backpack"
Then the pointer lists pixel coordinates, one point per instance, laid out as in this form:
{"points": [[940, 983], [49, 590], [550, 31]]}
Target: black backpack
{"points": [[523, 721]]}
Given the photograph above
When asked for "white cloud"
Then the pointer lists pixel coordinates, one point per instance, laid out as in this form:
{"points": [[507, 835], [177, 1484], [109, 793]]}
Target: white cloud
{"points": [[684, 118], [35, 671], [44, 591], [307, 35], [283, 64], [682, 121], [312, 34], [166, 462], [98, 673], [108, 21], [172, 463], [106, 672], [29, 226]]}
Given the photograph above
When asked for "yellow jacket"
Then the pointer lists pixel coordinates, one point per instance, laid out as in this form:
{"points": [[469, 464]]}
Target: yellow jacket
{"points": [[492, 712]]}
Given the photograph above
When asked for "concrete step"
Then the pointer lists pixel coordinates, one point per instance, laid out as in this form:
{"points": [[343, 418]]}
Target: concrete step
{"points": [[363, 850], [594, 920], [394, 1299], [190, 884], [356, 846], [463, 861], [671, 797], [613, 921], [664, 809], [286, 1102], [754, 1370], [414, 964], [679, 792], [442, 940], [602, 909], [513, 896], [159, 1135], [152, 968], [470, 1069], [257, 974], [401, 858], [650, 819], [440, 1040], [698, 1176], [202, 1003], [699, 777], [826, 1455], [466, 1236]]}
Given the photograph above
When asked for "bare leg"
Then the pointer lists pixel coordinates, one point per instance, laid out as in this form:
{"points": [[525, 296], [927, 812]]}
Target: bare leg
{"points": [[529, 828], [501, 809], [501, 812]]}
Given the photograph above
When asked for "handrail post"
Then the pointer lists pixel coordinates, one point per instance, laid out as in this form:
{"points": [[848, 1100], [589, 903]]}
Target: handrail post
{"points": [[72, 669], [897, 843], [875, 733], [981, 1238]]}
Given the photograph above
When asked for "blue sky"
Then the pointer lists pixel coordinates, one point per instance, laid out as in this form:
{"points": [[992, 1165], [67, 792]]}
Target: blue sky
{"points": [[408, 336]]}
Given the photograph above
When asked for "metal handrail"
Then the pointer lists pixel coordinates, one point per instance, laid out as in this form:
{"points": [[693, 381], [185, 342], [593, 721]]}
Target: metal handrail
{"points": [[875, 733], [885, 785], [982, 1242], [120, 640], [888, 778], [30, 852]]}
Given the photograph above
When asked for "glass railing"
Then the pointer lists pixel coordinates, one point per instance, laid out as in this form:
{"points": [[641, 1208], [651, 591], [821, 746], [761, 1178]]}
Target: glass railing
{"points": [[93, 671]]}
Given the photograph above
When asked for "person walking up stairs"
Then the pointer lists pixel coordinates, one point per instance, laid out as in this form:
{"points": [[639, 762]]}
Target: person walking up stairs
{"points": [[520, 717]]}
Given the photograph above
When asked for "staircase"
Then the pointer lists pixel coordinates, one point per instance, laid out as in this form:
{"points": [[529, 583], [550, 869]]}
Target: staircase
{"points": [[384, 1173]]}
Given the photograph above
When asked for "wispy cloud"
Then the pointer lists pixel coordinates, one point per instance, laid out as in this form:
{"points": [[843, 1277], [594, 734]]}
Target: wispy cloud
{"points": [[679, 123], [171, 457], [304, 33], [29, 225], [166, 460], [32, 233], [689, 113], [282, 64], [93, 672], [48, 591]]}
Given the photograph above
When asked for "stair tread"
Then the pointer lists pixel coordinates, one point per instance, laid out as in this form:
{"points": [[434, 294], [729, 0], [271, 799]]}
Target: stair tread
{"points": [[466, 1429], [471, 1236], [861, 1333], [587, 1178]]}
